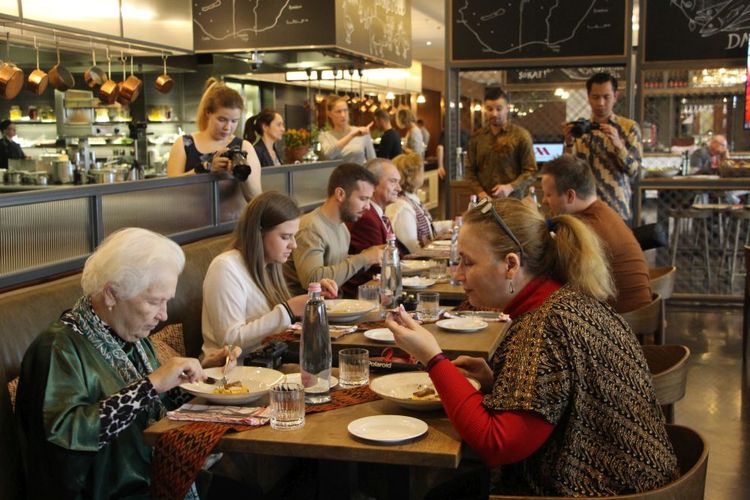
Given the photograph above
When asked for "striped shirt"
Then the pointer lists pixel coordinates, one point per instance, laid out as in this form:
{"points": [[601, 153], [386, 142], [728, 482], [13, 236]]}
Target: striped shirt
{"points": [[613, 169]]}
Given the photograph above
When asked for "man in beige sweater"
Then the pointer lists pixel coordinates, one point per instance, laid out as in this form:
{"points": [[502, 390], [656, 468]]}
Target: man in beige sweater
{"points": [[323, 239], [570, 188]]}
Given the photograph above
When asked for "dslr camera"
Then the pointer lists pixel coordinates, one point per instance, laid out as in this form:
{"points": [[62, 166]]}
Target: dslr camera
{"points": [[583, 126], [240, 169]]}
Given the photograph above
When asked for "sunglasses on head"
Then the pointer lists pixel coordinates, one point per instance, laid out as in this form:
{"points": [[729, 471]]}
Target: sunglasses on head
{"points": [[485, 206]]}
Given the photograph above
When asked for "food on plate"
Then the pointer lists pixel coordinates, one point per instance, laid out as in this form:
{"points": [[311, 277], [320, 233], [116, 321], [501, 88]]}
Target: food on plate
{"points": [[232, 388], [425, 393]]}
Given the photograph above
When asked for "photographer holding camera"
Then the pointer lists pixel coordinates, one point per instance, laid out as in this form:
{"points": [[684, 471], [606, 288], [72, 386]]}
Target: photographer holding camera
{"points": [[214, 147], [609, 143]]}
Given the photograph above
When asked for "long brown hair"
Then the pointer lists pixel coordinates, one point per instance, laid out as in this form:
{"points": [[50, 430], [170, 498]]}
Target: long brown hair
{"points": [[216, 95], [574, 255], [263, 213]]}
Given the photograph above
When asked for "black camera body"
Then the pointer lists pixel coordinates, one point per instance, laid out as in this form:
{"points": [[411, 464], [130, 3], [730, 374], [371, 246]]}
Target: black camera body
{"points": [[583, 126], [240, 169], [269, 356]]}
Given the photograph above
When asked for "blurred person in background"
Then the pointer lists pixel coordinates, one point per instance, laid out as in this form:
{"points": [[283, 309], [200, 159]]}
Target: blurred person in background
{"points": [[344, 141], [265, 132]]}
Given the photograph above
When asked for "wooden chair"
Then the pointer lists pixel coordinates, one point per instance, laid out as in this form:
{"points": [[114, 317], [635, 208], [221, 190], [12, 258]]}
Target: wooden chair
{"points": [[662, 280], [668, 365], [647, 320], [692, 457]]}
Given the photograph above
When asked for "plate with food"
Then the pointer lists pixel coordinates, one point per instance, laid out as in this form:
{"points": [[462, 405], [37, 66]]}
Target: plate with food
{"points": [[380, 335], [482, 315], [462, 324], [414, 266], [417, 282], [246, 384], [347, 310], [411, 390], [387, 428]]}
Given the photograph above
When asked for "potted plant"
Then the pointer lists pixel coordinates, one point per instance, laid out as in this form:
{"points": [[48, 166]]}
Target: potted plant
{"points": [[297, 142]]}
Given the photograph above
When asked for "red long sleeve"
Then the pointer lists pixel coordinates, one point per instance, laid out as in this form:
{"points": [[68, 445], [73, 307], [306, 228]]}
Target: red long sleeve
{"points": [[498, 437]]}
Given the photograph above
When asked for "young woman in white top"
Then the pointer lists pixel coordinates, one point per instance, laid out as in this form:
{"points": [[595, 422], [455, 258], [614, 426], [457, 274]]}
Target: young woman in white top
{"points": [[343, 141], [414, 139], [411, 221], [245, 297]]}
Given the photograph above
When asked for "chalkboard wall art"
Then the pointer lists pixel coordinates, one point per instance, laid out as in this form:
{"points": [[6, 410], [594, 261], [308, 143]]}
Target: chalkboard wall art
{"points": [[236, 25], [375, 27], [680, 30], [486, 30]]}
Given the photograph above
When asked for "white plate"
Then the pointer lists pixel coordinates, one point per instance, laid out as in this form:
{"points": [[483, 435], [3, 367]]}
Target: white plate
{"points": [[414, 266], [462, 324], [255, 378], [399, 388], [346, 310], [295, 378], [380, 335], [441, 243], [482, 315], [387, 428], [417, 282]]}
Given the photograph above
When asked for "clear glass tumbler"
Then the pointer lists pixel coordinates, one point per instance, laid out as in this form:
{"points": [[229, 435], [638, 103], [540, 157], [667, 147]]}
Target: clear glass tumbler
{"points": [[428, 306], [354, 367], [287, 406]]}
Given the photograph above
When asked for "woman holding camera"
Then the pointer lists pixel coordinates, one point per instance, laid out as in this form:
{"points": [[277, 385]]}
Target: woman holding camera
{"points": [[215, 147], [566, 403], [245, 297]]}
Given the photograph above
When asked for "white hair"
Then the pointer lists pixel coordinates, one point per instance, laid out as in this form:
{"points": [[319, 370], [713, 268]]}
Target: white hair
{"points": [[130, 260], [375, 166]]}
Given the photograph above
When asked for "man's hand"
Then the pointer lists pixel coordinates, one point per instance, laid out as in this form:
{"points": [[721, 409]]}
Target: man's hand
{"points": [[502, 190], [374, 254], [614, 136], [567, 136]]}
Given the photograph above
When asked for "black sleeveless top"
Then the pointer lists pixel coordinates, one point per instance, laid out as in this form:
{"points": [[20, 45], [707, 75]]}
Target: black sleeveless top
{"points": [[194, 158]]}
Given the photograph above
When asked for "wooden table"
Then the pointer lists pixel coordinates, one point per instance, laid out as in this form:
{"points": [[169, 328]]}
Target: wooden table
{"points": [[448, 292], [326, 439]]}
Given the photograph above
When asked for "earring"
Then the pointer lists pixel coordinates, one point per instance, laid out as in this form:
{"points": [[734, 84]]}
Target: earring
{"points": [[511, 290], [110, 308]]}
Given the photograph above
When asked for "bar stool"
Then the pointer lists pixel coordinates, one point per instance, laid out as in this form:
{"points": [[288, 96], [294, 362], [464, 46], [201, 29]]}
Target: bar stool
{"points": [[647, 320], [682, 219], [738, 218], [668, 365]]}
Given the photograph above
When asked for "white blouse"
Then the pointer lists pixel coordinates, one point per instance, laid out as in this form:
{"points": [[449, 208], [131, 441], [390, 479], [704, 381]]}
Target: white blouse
{"points": [[404, 221]]}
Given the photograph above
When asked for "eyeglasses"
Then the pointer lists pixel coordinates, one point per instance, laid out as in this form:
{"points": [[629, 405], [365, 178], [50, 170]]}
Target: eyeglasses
{"points": [[486, 206]]}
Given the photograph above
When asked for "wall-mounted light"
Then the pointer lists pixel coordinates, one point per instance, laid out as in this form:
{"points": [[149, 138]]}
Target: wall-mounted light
{"points": [[390, 96], [460, 105], [477, 107], [421, 99], [428, 43]]}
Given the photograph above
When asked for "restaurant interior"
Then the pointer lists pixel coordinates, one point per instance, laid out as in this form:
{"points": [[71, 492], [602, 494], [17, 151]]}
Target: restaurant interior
{"points": [[94, 165]]}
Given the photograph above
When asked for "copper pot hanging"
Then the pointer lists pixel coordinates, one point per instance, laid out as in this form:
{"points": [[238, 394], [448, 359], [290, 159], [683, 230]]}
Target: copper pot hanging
{"points": [[94, 76], [37, 80], [11, 76], [108, 91], [131, 87], [59, 76], [164, 82]]}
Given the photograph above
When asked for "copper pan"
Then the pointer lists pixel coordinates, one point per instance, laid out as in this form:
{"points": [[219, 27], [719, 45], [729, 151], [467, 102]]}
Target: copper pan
{"points": [[94, 76], [59, 76], [131, 87], [11, 77], [37, 79], [164, 82], [108, 91]]}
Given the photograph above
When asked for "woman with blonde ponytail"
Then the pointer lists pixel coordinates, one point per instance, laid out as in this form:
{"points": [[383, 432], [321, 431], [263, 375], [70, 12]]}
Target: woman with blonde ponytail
{"points": [[567, 397]]}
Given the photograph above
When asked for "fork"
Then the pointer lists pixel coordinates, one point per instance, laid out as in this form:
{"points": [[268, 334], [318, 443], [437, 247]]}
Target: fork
{"points": [[226, 365]]}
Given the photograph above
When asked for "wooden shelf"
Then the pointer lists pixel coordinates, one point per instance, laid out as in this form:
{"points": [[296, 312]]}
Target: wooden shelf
{"points": [[669, 91]]}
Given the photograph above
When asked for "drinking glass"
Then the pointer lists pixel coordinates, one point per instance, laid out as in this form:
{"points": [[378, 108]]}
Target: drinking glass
{"points": [[428, 306], [287, 406], [354, 367], [370, 293], [437, 269]]}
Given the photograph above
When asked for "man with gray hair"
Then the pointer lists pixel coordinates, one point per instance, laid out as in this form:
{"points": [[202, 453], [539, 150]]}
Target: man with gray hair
{"points": [[570, 188], [372, 228]]}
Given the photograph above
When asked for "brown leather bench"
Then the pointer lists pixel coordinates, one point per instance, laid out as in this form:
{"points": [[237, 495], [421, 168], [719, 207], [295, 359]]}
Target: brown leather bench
{"points": [[26, 312]]}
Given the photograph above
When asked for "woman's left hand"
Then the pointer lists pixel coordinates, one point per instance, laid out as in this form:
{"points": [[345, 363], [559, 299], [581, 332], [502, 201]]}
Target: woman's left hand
{"points": [[217, 357], [412, 337], [329, 288]]}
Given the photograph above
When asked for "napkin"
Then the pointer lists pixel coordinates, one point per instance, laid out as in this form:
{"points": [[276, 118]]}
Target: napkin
{"points": [[244, 415], [336, 331]]}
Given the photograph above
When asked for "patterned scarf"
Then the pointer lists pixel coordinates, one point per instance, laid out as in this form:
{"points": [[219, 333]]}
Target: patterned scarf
{"points": [[424, 219], [84, 320]]}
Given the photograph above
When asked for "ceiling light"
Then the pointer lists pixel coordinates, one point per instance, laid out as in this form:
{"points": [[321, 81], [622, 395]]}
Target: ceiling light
{"points": [[390, 96], [460, 105], [428, 43], [421, 99], [477, 107]]}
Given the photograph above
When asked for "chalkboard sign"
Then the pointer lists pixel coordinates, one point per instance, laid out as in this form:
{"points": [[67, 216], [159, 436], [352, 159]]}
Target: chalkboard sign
{"points": [[560, 75], [487, 30], [236, 25], [377, 28], [696, 30]]}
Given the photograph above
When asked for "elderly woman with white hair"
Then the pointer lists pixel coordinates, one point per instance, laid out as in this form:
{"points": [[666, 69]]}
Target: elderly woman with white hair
{"points": [[91, 383]]}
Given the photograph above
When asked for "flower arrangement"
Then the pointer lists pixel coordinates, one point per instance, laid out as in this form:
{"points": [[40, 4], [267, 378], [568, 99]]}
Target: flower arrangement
{"points": [[297, 137]]}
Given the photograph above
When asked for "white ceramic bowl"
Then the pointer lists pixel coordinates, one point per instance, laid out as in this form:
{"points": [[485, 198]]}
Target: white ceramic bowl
{"points": [[346, 310], [255, 378], [399, 388]]}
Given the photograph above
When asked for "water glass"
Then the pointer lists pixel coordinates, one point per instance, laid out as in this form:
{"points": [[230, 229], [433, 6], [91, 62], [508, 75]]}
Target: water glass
{"points": [[437, 269], [428, 306], [370, 293], [287, 406], [354, 367]]}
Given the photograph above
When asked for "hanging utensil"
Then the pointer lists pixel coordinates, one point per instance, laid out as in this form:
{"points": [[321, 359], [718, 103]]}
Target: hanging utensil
{"points": [[108, 92], [38, 79], [11, 77], [164, 82], [131, 88], [94, 76], [59, 77], [121, 98]]}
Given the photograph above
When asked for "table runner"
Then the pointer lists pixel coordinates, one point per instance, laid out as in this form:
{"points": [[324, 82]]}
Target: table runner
{"points": [[180, 453]]}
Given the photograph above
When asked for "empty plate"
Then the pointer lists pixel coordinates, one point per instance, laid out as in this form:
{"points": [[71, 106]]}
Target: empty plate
{"points": [[417, 282], [462, 324], [387, 428], [380, 335], [482, 315]]}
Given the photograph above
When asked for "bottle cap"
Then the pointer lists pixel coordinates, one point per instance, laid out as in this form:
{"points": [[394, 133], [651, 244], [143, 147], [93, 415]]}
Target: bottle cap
{"points": [[314, 287]]}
